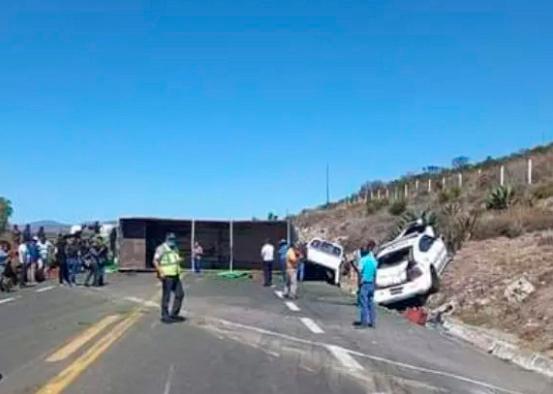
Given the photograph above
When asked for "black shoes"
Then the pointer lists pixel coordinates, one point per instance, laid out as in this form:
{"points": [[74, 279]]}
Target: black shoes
{"points": [[172, 319]]}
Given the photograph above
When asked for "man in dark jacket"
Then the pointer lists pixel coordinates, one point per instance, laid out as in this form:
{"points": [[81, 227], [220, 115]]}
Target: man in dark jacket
{"points": [[61, 258]]}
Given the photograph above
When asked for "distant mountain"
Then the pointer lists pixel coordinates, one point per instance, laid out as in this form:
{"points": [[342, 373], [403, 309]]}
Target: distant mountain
{"points": [[48, 223], [50, 226]]}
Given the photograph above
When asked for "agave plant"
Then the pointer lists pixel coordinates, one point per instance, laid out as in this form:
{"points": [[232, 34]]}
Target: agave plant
{"points": [[427, 217], [501, 197]]}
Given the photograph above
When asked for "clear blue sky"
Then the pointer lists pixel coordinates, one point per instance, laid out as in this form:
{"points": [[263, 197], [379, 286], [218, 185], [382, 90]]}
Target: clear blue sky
{"points": [[233, 108]]}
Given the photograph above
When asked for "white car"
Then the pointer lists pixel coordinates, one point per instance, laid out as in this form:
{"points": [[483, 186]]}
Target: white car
{"points": [[410, 266], [326, 254]]}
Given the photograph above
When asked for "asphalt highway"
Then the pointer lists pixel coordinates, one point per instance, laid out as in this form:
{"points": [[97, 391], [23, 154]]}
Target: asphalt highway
{"points": [[239, 337]]}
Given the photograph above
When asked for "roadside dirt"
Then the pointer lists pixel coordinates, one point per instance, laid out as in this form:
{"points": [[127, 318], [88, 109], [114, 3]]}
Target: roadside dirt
{"points": [[481, 271]]}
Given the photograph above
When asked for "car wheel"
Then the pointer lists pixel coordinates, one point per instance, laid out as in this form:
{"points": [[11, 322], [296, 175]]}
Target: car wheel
{"points": [[435, 281]]}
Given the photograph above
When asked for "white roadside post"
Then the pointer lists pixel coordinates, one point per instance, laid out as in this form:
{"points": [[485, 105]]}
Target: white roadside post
{"points": [[443, 182], [387, 194], [231, 244], [417, 186], [406, 191], [460, 180], [502, 176], [429, 186], [529, 171], [192, 242]]}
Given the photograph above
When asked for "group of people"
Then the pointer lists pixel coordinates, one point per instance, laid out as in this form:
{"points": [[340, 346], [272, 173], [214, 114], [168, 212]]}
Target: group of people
{"points": [[30, 258], [292, 259]]}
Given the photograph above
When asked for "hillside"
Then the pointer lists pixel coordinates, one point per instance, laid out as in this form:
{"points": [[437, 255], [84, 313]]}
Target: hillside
{"points": [[499, 234]]}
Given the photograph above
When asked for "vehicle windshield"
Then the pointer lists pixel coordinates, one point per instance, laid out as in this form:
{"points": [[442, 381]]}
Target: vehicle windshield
{"points": [[393, 258], [326, 247]]}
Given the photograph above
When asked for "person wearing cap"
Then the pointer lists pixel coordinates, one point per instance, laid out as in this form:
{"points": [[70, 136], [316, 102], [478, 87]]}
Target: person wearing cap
{"points": [[367, 277], [167, 262]]}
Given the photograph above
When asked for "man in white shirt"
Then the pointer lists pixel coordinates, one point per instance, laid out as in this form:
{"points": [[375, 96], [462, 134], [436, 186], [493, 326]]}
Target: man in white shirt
{"points": [[268, 256]]}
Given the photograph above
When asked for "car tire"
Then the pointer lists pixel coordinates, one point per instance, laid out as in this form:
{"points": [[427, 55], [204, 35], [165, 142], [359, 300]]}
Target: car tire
{"points": [[435, 281]]}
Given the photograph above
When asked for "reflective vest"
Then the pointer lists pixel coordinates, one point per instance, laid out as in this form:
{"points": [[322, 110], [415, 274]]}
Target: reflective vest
{"points": [[169, 263]]}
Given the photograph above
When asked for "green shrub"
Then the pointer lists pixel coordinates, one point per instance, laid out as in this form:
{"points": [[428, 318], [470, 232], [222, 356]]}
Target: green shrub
{"points": [[374, 206], [501, 197], [447, 195], [543, 191], [397, 207]]}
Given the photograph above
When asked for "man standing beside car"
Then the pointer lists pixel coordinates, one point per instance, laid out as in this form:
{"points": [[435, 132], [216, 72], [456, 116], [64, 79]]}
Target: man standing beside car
{"points": [[367, 277]]}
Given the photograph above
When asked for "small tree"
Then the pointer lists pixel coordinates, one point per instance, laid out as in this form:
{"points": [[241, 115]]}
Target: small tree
{"points": [[6, 212], [460, 162], [432, 170], [272, 217]]}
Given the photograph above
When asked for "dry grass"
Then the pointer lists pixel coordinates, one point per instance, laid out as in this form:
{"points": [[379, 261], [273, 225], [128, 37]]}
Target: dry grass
{"points": [[513, 222]]}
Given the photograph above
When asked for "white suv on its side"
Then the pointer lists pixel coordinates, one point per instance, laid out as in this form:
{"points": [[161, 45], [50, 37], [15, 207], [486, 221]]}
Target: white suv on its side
{"points": [[327, 254], [410, 265]]}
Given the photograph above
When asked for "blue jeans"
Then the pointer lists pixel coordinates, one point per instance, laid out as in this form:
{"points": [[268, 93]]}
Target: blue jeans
{"points": [[366, 304], [301, 271], [282, 266], [73, 267], [197, 265]]}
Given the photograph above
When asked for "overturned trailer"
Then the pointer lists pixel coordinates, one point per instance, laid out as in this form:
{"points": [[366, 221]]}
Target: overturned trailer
{"points": [[226, 244]]}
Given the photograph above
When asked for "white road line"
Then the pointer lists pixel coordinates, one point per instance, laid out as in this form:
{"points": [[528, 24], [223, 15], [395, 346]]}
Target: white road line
{"points": [[311, 325], [279, 294], [6, 300], [345, 358], [383, 360], [44, 289], [168, 383], [293, 307]]}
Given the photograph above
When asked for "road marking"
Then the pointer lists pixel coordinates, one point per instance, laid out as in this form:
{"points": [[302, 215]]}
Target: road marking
{"points": [[311, 325], [9, 299], [76, 343], [140, 301], [293, 307], [168, 383], [60, 382], [345, 358], [382, 360], [44, 289], [279, 294]]}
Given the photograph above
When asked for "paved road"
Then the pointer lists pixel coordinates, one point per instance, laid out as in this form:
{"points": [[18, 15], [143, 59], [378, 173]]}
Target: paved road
{"points": [[239, 338]]}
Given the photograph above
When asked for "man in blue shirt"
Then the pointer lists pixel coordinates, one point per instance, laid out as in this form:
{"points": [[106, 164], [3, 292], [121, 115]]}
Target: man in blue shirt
{"points": [[367, 277]]}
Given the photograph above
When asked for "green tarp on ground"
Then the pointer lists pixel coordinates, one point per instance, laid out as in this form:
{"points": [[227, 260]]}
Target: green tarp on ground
{"points": [[234, 274]]}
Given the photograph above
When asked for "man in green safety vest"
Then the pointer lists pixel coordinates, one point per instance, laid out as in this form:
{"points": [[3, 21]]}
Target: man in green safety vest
{"points": [[167, 261]]}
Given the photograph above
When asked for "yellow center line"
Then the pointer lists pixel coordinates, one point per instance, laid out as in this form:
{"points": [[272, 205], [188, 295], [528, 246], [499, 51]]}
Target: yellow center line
{"points": [[60, 382], [76, 343]]}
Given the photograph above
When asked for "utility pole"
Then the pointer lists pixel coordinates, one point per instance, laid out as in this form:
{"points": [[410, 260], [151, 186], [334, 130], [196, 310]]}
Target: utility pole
{"points": [[327, 184]]}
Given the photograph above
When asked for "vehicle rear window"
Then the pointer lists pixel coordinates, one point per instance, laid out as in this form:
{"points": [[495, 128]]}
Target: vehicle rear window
{"points": [[393, 258]]}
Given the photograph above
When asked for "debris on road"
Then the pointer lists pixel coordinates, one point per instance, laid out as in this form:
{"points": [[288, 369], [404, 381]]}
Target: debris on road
{"points": [[519, 290], [416, 315]]}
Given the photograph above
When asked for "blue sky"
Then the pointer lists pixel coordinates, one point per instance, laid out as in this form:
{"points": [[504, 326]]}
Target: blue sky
{"points": [[233, 108]]}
